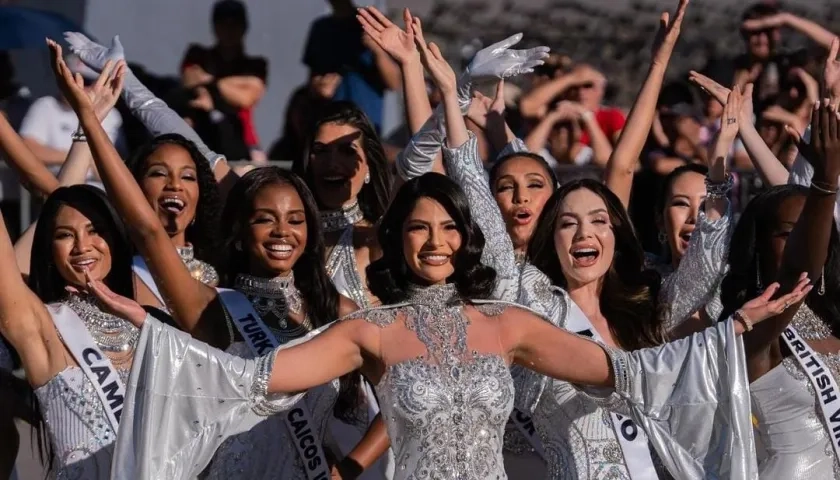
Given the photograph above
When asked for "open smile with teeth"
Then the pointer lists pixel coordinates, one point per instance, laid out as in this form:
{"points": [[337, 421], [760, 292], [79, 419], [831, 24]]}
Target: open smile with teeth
{"points": [[172, 204], [584, 256], [279, 251], [433, 259], [82, 264]]}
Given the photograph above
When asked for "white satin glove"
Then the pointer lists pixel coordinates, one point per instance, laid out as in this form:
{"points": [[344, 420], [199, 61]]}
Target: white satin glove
{"points": [[153, 112]]}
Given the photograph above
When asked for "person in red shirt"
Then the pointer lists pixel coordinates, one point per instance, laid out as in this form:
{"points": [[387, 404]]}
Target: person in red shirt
{"points": [[226, 81]]}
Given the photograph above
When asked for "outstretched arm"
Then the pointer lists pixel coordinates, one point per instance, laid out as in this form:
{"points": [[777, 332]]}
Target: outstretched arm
{"points": [[187, 297], [809, 28], [622, 164]]}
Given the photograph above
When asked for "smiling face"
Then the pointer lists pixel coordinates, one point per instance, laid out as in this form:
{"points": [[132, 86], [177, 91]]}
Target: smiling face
{"points": [[338, 164], [521, 188], [430, 242], [682, 208], [170, 184], [584, 238], [277, 231], [77, 247]]}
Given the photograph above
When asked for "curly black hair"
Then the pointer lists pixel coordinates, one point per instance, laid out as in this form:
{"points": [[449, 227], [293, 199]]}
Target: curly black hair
{"points": [[311, 279], [751, 241], [374, 196], [629, 296], [202, 233], [389, 277]]}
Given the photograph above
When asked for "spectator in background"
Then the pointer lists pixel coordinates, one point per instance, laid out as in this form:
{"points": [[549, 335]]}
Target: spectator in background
{"points": [[50, 123], [226, 85], [337, 45]]}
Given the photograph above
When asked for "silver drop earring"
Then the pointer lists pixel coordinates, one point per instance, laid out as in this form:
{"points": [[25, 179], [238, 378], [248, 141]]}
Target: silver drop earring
{"points": [[662, 238], [758, 274], [821, 290], [238, 246], [367, 178]]}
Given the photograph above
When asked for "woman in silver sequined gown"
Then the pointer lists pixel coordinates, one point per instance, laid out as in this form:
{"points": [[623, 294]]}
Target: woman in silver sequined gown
{"points": [[440, 356]]}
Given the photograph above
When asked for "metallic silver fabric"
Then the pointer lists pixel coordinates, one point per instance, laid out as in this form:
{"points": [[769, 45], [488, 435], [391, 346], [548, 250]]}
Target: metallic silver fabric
{"points": [[344, 272], [184, 399]]}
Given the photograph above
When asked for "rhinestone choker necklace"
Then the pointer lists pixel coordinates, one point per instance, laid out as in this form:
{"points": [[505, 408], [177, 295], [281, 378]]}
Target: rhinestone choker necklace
{"points": [[203, 272], [275, 298], [337, 220], [111, 333], [432, 295]]}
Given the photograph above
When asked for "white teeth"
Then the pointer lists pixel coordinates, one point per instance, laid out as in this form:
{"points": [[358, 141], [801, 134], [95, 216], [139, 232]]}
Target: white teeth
{"points": [[585, 251], [85, 262], [435, 258], [279, 247], [172, 201]]}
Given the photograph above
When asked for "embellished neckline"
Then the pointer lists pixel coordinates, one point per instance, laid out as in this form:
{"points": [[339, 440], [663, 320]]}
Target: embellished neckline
{"points": [[201, 271], [809, 325], [187, 252], [111, 333], [337, 220], [432, 295], [275, 298]]}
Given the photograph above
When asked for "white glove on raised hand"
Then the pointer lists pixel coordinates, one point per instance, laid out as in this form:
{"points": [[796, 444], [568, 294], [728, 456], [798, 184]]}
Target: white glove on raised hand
{"points": [[153, 112], [498, 61]]}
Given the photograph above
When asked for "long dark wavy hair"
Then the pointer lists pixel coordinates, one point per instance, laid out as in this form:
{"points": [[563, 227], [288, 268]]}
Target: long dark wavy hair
{"points": [[44, 277], [751, 241], [389, 278], [374, 196], [202, 232], [629, 295], [311, 279], [550, 173]]}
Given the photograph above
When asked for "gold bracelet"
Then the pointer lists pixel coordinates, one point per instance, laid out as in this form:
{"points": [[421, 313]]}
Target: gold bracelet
{"points": [[823, 190], [742, 317]]}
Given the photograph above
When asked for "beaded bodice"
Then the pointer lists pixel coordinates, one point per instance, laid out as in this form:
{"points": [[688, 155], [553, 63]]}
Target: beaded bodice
{"points": [[344, 271], [80, 434], [447, 391]]}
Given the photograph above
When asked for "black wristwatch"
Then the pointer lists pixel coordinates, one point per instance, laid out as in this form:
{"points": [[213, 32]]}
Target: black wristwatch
{"points": [[349, 468]]}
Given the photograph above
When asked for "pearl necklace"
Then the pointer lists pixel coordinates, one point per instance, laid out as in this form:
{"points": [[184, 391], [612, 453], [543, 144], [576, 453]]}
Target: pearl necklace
{"points": [[111, 333], [275, 298], [338, 220]]}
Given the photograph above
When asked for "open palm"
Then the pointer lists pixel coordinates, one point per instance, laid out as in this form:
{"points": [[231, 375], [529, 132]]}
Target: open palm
{"points": [[398, 43]]}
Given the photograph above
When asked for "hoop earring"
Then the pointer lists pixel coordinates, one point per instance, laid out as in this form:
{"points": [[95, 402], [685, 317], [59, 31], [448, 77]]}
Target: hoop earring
{"points": [[821, 290], [662, 238]]}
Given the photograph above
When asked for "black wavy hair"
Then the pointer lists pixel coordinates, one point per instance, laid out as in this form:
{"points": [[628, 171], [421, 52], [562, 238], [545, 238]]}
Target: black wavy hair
{"points": [[202, 232], [44, 277], [389, 278], [750, 241], [374, 196], [552, 175], [311, 278], [629, 296]]}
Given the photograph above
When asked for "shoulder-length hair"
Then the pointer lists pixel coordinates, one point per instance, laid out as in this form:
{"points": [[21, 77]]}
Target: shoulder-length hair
{"points": [[202, 231], [44, 277], [389, 278], [629, 294], [751, 240], [311, 279], [374, 196]]}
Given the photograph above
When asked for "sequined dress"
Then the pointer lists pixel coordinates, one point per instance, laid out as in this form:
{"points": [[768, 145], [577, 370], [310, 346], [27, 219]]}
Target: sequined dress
{"points": [[578, 437], [794, 439], [446, 392]]}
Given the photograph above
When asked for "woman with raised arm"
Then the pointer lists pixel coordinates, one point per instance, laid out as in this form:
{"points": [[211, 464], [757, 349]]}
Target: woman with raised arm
{"points": [[792, 360], [438, 353], [274, 253]]}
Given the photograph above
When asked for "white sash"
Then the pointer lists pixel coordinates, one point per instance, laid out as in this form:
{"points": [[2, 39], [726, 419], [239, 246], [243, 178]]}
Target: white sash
{"points": [[298, 420], [142, 270], [95, 365], [822, 380], [525, 426], [633, 441]]}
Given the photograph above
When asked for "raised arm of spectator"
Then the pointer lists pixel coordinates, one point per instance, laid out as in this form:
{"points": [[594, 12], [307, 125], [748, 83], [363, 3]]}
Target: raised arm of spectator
{"points": [[242, 91], [32, 172], [809, 28], [622, 164], [535, 104], [768, 166], [152, 112]]}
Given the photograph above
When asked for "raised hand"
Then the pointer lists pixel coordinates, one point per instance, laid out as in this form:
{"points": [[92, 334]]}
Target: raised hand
{"points": [[106, 90], [114, 304], [93, 54], [482, 107], [398, 43], [762, 307], [666, 37], [711, 87], [764, 23], [499, 61], [731, 116], [831, 72], [437, 66], [823, 152], [72, 86]]}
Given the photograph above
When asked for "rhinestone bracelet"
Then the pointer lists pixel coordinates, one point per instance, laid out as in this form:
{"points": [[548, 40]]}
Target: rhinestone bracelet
{"points": [[716, 190]]}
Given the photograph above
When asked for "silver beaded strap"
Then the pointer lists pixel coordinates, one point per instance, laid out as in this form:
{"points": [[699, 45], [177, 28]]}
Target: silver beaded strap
{"points": [[716, 190]]}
